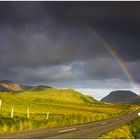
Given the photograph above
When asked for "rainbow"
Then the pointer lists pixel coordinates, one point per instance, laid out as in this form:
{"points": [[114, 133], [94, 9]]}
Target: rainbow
{"points": [[116, 55]]}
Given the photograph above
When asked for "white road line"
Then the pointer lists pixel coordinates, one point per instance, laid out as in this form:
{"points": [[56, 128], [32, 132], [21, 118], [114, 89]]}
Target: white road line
{"points": [[67, 130], [104, 122]]}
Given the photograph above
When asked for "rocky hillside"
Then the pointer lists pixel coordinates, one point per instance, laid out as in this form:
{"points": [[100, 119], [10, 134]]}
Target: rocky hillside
{"points": [[10, 86]]}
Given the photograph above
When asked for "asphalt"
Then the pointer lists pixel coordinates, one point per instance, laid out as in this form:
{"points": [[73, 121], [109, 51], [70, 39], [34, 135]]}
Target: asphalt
{"points": [[85, 131]]}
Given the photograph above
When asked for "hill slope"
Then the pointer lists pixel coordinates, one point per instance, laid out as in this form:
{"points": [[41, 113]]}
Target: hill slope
{"points": [[38, 88], [122, 97], [40, 92], [58, 95]]}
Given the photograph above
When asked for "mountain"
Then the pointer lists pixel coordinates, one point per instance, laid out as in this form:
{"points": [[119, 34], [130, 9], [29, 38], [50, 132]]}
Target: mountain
{"points": [[122, 97], [38, 88], [43, 93], [9, 86]]}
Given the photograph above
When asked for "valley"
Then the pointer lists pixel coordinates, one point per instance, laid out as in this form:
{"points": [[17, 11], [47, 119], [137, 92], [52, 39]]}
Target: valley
{"points": [[47, 107]]}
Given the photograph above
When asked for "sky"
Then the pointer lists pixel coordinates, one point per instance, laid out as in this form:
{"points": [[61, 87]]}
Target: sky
{"points": [[62, 44]]}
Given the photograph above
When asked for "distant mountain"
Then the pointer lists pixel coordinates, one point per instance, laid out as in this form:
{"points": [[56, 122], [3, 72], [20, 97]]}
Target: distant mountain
{"points": [[39, 88], [122, 97], [10, 86]]}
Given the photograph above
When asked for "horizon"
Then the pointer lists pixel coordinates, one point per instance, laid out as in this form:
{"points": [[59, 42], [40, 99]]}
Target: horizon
{"points": [[97, 94], [89, 46]]}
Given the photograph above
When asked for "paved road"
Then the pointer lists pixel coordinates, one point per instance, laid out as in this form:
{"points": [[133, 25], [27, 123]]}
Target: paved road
{"points": [[86, 131]]}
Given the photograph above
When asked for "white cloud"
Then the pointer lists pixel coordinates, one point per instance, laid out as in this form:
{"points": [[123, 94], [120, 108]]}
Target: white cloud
{"points": [[98, 94]]}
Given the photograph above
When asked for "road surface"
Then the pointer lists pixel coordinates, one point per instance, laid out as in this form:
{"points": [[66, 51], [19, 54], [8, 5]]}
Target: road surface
{"points": [[85, 131]]}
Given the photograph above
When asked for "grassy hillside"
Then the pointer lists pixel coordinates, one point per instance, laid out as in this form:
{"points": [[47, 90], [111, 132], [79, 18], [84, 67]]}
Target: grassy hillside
{"points": [[128, 131], [135, 128], [59, 95], [123, 132], [50, 107]]}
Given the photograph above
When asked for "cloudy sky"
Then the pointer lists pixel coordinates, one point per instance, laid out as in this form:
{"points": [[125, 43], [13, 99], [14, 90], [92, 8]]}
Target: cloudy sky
{"points": [[53, 43]]}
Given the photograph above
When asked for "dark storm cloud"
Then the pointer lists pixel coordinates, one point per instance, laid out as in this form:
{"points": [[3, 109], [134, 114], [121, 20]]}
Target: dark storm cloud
{"points": [[40, 48], [17, 14], [49, 41], [118, 22]]}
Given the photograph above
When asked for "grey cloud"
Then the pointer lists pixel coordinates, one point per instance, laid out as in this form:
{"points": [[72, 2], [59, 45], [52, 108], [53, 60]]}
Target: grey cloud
{"points": [[134, 69], [57, 73], [96, 84], [104, 67], [44, 48], [94, 69]]}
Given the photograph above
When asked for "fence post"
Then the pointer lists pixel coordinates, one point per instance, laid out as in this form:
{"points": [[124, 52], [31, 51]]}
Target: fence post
{"points": [[0, 104], [28, 112], [47, 115], [12, 112]]}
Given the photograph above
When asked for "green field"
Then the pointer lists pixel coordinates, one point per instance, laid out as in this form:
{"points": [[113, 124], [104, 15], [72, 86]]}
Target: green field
{"points": [[52, 107]]}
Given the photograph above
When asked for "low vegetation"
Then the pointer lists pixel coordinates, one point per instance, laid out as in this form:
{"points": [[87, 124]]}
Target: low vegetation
{"points": [[123, 132], [135, 128], [53, 108], [128, 131]]}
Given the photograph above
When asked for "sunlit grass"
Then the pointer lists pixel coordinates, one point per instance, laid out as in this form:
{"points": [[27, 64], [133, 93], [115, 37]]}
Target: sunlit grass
{"points": [[123, 132], [135, 128], [128, 131]]}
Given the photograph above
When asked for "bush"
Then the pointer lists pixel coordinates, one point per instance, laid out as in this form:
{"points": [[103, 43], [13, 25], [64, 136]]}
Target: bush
{"points": [[135, 128]]}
